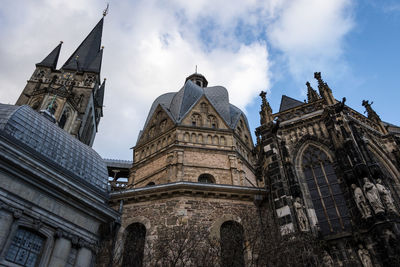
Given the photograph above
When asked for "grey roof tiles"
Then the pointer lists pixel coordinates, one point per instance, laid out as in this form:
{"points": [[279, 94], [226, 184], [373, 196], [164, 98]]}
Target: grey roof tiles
{"points": [[52, 58], [288, 103], [87, 57], [178, 104], [35, 133]]}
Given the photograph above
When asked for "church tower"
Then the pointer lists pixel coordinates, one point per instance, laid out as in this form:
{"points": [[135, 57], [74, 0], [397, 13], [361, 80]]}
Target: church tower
{"points": [[74, 94]]}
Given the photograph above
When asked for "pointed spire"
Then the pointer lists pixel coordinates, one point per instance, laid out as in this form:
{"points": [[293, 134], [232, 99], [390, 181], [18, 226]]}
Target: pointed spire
{"points": [[95, 66], [266, 111], [312, 95], [52, 58], [100, 94], [324, 90], [87, 57]]}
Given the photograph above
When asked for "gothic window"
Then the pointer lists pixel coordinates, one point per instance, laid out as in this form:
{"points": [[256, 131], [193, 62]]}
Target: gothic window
{"points": [[212, 121], [134, 245], [196, 119], [239, 131], [206, 178], [246, 140], [325, 192], [89, 80], [40, 74], [232, 243], [162, 125], [66, 114], [25, 248], [204, 107], [152, 131]]}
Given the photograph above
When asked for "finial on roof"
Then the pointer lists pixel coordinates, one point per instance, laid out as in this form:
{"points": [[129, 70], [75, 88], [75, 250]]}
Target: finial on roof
{"points": [[195, 71], [105, 11], [266, 111], [61, 42], [312, 95]]}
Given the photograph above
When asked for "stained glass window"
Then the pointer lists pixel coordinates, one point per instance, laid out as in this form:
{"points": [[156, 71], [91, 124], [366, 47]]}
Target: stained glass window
{"points": [[25, 248], [325, 192]]}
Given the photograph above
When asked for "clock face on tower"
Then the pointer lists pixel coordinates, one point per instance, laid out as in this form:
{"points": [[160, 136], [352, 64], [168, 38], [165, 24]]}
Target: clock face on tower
{"points": [[67, 75]]}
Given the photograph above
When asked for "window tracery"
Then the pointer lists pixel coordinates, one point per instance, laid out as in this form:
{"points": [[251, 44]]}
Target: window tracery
{"points": [[325, 192], [212, 122], [196, 119]]}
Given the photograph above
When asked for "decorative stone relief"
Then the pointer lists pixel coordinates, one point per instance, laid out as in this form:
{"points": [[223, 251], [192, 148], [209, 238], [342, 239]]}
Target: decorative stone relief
{"points": [[361, 202], [386, 196], [372, 195]]}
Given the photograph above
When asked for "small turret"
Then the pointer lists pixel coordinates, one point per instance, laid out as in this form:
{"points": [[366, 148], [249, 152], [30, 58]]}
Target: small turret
{"points": [[324, 90], [51, 60], [88, 56], [312, 95], [198, 79], [266, 111]]}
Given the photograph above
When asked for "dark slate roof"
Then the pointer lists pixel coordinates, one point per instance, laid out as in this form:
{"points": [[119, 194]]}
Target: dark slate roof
{"points": [[119, 163], [288, 103], [89, 53], [178, 104], [52, 58], [33, 132], [100, 94]]}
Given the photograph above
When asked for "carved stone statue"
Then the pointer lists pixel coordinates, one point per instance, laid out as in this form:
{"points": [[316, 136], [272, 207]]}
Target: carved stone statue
{"points": [[301, 215], [362, 204], [327, 260], [372, 195], [386, 196], [365, 258]]}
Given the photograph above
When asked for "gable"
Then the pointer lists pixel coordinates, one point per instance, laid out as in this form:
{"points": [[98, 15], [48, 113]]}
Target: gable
{"points": [[158, 123], [203, 114], [288, 103], [243, 131]]}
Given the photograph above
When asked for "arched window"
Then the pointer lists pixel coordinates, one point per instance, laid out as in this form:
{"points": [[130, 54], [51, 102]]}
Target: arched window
{"points": [[232, 244], [66, 114], [40, 74], [212, 122], [196, 119], [25, 248], [150, 184], [89, 80], [204, 107], [325, 192], [134, 245], [206, 178]]}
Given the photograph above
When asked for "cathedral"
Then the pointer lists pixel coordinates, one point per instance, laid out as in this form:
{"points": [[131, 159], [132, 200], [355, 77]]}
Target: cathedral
{"points": [[198, 191]]}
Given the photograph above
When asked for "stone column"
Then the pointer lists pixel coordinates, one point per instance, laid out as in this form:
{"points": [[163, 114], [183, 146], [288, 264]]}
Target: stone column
{"points": [[6, 219], [60, 253], [84, 257]]}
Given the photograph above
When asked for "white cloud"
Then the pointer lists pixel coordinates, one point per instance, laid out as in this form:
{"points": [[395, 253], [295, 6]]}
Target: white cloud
{"points": [[151, 46], [310, 33]]}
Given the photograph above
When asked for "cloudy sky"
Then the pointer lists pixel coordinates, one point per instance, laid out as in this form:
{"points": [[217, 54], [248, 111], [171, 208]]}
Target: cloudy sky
{"points": [[246, 46]]}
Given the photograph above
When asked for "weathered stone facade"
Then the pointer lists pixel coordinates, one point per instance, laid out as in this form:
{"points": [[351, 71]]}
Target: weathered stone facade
{"points": [[318, 154]]}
